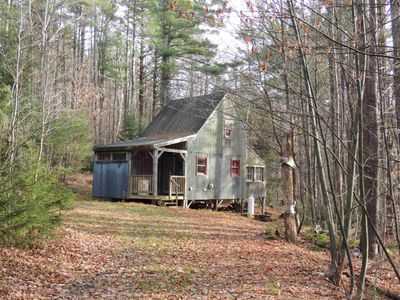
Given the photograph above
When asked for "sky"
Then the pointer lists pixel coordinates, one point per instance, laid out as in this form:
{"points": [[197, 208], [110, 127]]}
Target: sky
{"points": [[226, 37]]}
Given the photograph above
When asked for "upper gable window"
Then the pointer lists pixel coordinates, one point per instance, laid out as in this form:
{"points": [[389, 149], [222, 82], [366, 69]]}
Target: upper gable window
{"points": [[228, 128], [201, 165]]}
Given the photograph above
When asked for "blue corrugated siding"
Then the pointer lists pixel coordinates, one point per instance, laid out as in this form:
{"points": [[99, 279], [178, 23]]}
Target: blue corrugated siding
{"points": [[111, 180]]}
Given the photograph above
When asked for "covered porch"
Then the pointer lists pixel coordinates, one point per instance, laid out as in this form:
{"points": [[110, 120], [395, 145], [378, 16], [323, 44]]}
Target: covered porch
{"points": [[158, 173]]}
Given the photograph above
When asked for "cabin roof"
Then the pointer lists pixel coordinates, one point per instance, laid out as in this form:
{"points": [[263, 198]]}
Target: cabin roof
{"points": [[183, 115], [177, 121]]}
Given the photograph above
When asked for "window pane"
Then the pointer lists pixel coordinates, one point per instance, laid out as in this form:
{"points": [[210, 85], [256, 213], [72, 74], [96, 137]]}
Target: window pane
{"points": [[201, 161], [250, 173], [103, 156], [119, 156], [235, 167], [259, 176], [201, 165], [228, 126]]}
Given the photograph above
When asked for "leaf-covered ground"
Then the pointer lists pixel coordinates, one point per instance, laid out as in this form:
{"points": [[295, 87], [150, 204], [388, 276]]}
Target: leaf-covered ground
{"points": [[111, 250]]}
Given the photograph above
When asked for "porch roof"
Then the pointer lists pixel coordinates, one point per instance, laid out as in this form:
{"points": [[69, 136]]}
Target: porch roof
{"points": [[151, 142]]}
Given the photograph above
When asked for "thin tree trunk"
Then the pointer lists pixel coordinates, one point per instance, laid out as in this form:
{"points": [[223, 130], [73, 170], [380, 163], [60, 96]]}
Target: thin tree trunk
{"points": [[315, 124], [126, 66], [370, 132], [395, 19], [16, 91], [132, 98], [155, 76], [288, 182], [141, 79]]}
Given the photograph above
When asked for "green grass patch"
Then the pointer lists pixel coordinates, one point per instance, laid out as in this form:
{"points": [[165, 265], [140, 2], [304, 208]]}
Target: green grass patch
{"points": [[320, 240], [274, 230], [274, 287]]}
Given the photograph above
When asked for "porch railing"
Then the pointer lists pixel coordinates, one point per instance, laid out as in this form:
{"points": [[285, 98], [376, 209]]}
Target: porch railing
{"points": [[142, 184], [177, 185]]}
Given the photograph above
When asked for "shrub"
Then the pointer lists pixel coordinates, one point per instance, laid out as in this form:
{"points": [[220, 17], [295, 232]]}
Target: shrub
{"points": [[318, 239], [30, 203]]}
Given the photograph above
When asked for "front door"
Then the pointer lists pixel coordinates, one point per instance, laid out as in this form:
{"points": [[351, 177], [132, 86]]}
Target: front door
{"points": [[168, 164]]}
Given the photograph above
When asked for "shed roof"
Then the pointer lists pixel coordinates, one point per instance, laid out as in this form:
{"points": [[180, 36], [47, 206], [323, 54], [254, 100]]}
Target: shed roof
{"points": [[177, 121]]}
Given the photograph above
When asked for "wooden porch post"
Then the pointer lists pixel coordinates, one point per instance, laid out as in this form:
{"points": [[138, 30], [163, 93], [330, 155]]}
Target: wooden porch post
{"points": [[155, 172], [185, 200]]}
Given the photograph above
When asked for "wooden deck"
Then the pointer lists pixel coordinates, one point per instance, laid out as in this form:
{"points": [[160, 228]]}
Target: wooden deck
{"points": [[142, 189], [161, 200], [159, 197]]}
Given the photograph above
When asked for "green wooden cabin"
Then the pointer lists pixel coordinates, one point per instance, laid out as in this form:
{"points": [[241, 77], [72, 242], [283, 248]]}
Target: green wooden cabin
{"points": [[195, 149]]}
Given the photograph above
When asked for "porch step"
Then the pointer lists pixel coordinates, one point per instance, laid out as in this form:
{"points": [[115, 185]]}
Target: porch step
{"points": [[167, 202]]}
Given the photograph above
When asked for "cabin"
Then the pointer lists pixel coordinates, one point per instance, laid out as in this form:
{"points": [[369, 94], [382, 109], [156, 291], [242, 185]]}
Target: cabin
{"points": [[195, 149]]}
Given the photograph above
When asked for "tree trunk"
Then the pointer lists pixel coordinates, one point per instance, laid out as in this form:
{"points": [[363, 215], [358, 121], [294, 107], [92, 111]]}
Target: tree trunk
{"points": [[126, 66], [370, 132], [141, 79], [289, 202], [165, 79], [317, 132], [155, 76], [395, 18], [16, 92]]}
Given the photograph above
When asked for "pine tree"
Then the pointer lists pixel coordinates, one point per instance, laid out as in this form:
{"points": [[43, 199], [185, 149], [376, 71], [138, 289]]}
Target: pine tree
{"points": [[179, 40]]}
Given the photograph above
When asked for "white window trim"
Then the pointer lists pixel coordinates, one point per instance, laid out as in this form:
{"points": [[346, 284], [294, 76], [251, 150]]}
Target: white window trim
{"points": [[228, 124], [206, 165], [254, 177]]}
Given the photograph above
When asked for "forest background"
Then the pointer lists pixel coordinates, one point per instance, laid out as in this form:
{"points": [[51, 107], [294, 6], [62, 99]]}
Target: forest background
{"points": [[321, 76]]}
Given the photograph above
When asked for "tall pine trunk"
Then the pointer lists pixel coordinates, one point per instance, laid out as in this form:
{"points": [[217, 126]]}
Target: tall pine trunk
{"points": [[370, 131]]}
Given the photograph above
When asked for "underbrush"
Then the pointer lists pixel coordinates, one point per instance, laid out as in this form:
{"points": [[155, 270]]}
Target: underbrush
{"points": [[31, 201]]}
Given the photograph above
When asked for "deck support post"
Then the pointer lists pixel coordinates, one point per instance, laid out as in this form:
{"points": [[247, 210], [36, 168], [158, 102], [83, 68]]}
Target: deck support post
{"points": [[262, 205], [155, 172]]}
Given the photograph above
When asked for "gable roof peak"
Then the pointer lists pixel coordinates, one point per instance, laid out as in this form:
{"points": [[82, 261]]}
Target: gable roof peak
{"points": [[185, 115]]}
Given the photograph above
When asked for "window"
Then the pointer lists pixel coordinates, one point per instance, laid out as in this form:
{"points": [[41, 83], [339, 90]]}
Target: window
{"points": [[103, 156], [235, 167], [259, 174], [250, 173], [201, 165], [228, 127], [110, 156], [255, 174], [118, 156]]}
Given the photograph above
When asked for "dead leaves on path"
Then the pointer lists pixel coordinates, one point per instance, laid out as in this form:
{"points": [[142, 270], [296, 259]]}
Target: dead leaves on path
{"points": [[132, 251]]}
